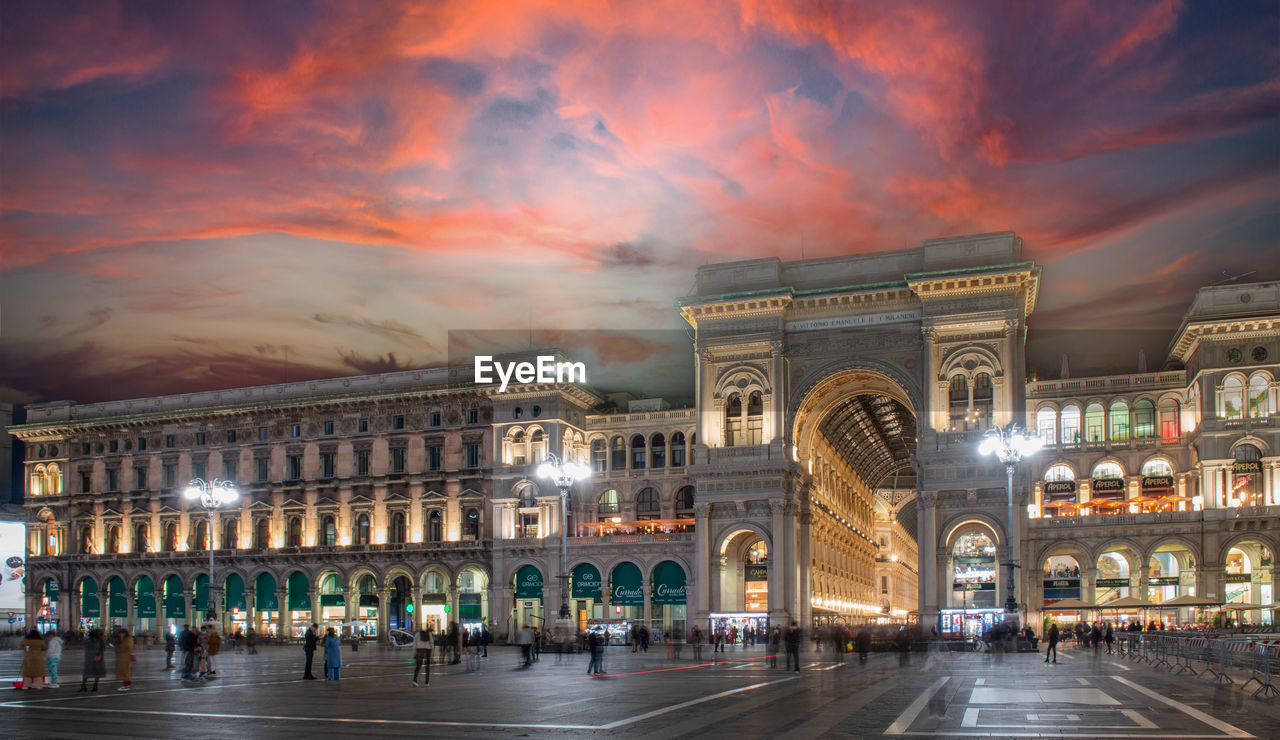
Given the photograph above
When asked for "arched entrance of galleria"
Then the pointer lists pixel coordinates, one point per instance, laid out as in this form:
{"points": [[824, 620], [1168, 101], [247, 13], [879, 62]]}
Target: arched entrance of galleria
{"points": [[834, 389]]}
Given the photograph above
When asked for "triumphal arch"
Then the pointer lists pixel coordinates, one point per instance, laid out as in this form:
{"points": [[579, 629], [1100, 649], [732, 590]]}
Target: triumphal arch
{"points": [[829, 390]]}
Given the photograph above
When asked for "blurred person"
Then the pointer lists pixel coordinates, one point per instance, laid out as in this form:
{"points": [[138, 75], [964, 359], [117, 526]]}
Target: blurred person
{"points": [[332, 655], [95, 663], [53, 656], [33, 663], [123, 644]]}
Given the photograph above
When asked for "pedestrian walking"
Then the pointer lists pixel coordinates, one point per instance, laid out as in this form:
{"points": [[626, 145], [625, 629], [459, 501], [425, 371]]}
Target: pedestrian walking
{"points": [[454, 639], [775, 645], [53, 656], [214, 647], [170, 645], [95, 663], [123, 644], [309, 642], [33, 665], [525, 641], [1052, 640], [485, 639], [1095, 637], [696, 639], [188, 643], [863, 643], [793, 645], [422, 640], [1109, 638], [332, 655], [251, 641], [595, 642]]}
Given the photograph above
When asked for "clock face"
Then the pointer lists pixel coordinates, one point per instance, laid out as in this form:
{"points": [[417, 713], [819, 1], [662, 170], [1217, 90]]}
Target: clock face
{"points": [[1259, 354], [1233, 355]]}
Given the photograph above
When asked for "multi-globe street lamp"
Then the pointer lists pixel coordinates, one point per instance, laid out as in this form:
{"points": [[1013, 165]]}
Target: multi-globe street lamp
{"points": [[213, 495], [1010, 444], [563, 473]]}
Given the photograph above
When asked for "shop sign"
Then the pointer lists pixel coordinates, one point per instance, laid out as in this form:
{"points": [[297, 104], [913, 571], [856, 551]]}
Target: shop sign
{"points": [[1163, 581], [756, 572], [972, 560], [146, 598], [587, 583], [333, 599], [1112, 582], [1060, 487], [668, 583], [1239, 577], [52, 589], [989, 586], [528, 583], [1246, 468], [468, 605], [1156, 482], [1107, 485], [435, 598], [626, 588], [1068, 583]]}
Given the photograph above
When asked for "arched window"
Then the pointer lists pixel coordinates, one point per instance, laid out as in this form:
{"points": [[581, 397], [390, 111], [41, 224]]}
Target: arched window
{"points": [[1169, 423], [755, 418], [647, 504], [171, 537], [435, 526], [295, 532], [362, 529], [471, 524], [1157, 466], [637, 452], [201, 541], [53, 476], [608, 502], [231, 535], [618, 454], [519, 449], [86, 540], [1246, 477], [958, 401], [397, 533], [262, 534], [528, 496], [733, 421], [1094, 417], [1144, 420], [598, 455], [329, 531], [658, 451], [677, 450], [1070, 425], [140, 536], [537, 446], [1047, 425], [1108, 470], [1059, 472], [113, 539], [1262, 400], [1231, 398], [1119, 422], [36, 484], [983, 400], [684, 502]]}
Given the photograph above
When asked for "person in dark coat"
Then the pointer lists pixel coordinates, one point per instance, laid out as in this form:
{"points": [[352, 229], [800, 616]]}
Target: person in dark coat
{"points": [[1109, 638], [793, 645], [170, 646], [188, 643], [95, 662], [1052, 639], [863, 643], [309, 643]]}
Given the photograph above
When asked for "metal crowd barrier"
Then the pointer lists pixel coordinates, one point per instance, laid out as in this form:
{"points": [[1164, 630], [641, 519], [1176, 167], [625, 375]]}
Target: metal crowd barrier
{"points": [[1216, 658]]}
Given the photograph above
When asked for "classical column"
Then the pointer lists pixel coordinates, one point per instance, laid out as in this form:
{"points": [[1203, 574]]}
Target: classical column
{"points": [[417, 526], [1088, 585], [453, 602], [317, 608], [1143, 585], [188, 604], [415, 593], [250, 605], [384, 606], [351, 603], [699, 596], [646, 587], [926, 540], [378, 535], [284, 619]]}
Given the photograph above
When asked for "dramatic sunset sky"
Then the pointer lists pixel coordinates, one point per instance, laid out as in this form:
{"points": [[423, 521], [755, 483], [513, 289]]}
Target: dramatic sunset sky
{"points": [[190, 190]]}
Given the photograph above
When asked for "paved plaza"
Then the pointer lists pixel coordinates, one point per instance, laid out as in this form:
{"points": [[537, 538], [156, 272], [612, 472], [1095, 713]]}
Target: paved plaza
{"points": [[648, 695]]}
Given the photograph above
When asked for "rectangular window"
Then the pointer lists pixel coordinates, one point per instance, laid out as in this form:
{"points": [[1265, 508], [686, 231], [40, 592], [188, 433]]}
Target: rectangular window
{"points": [[84, 449], [473, 416], [884, 584], [677, 456], [295, 430], [362, 425], [86, 481], [328, 427], [229, 470], [113, 479], [168, 441], [263, 468], [397, 460], [142, 444], [199, 468], [435, 457], [113, 446], [397, 422], [199, 438], [435, 418], [473, 455], [170, 473], [139, 479], [231, 436], [326, 464], [362, 462], [295, 467], [262, 433]]}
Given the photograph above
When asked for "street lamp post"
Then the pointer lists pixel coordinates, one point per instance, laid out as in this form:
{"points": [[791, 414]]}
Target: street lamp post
{"points": [[212, 494], [563, 473], [1010, 444]]}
